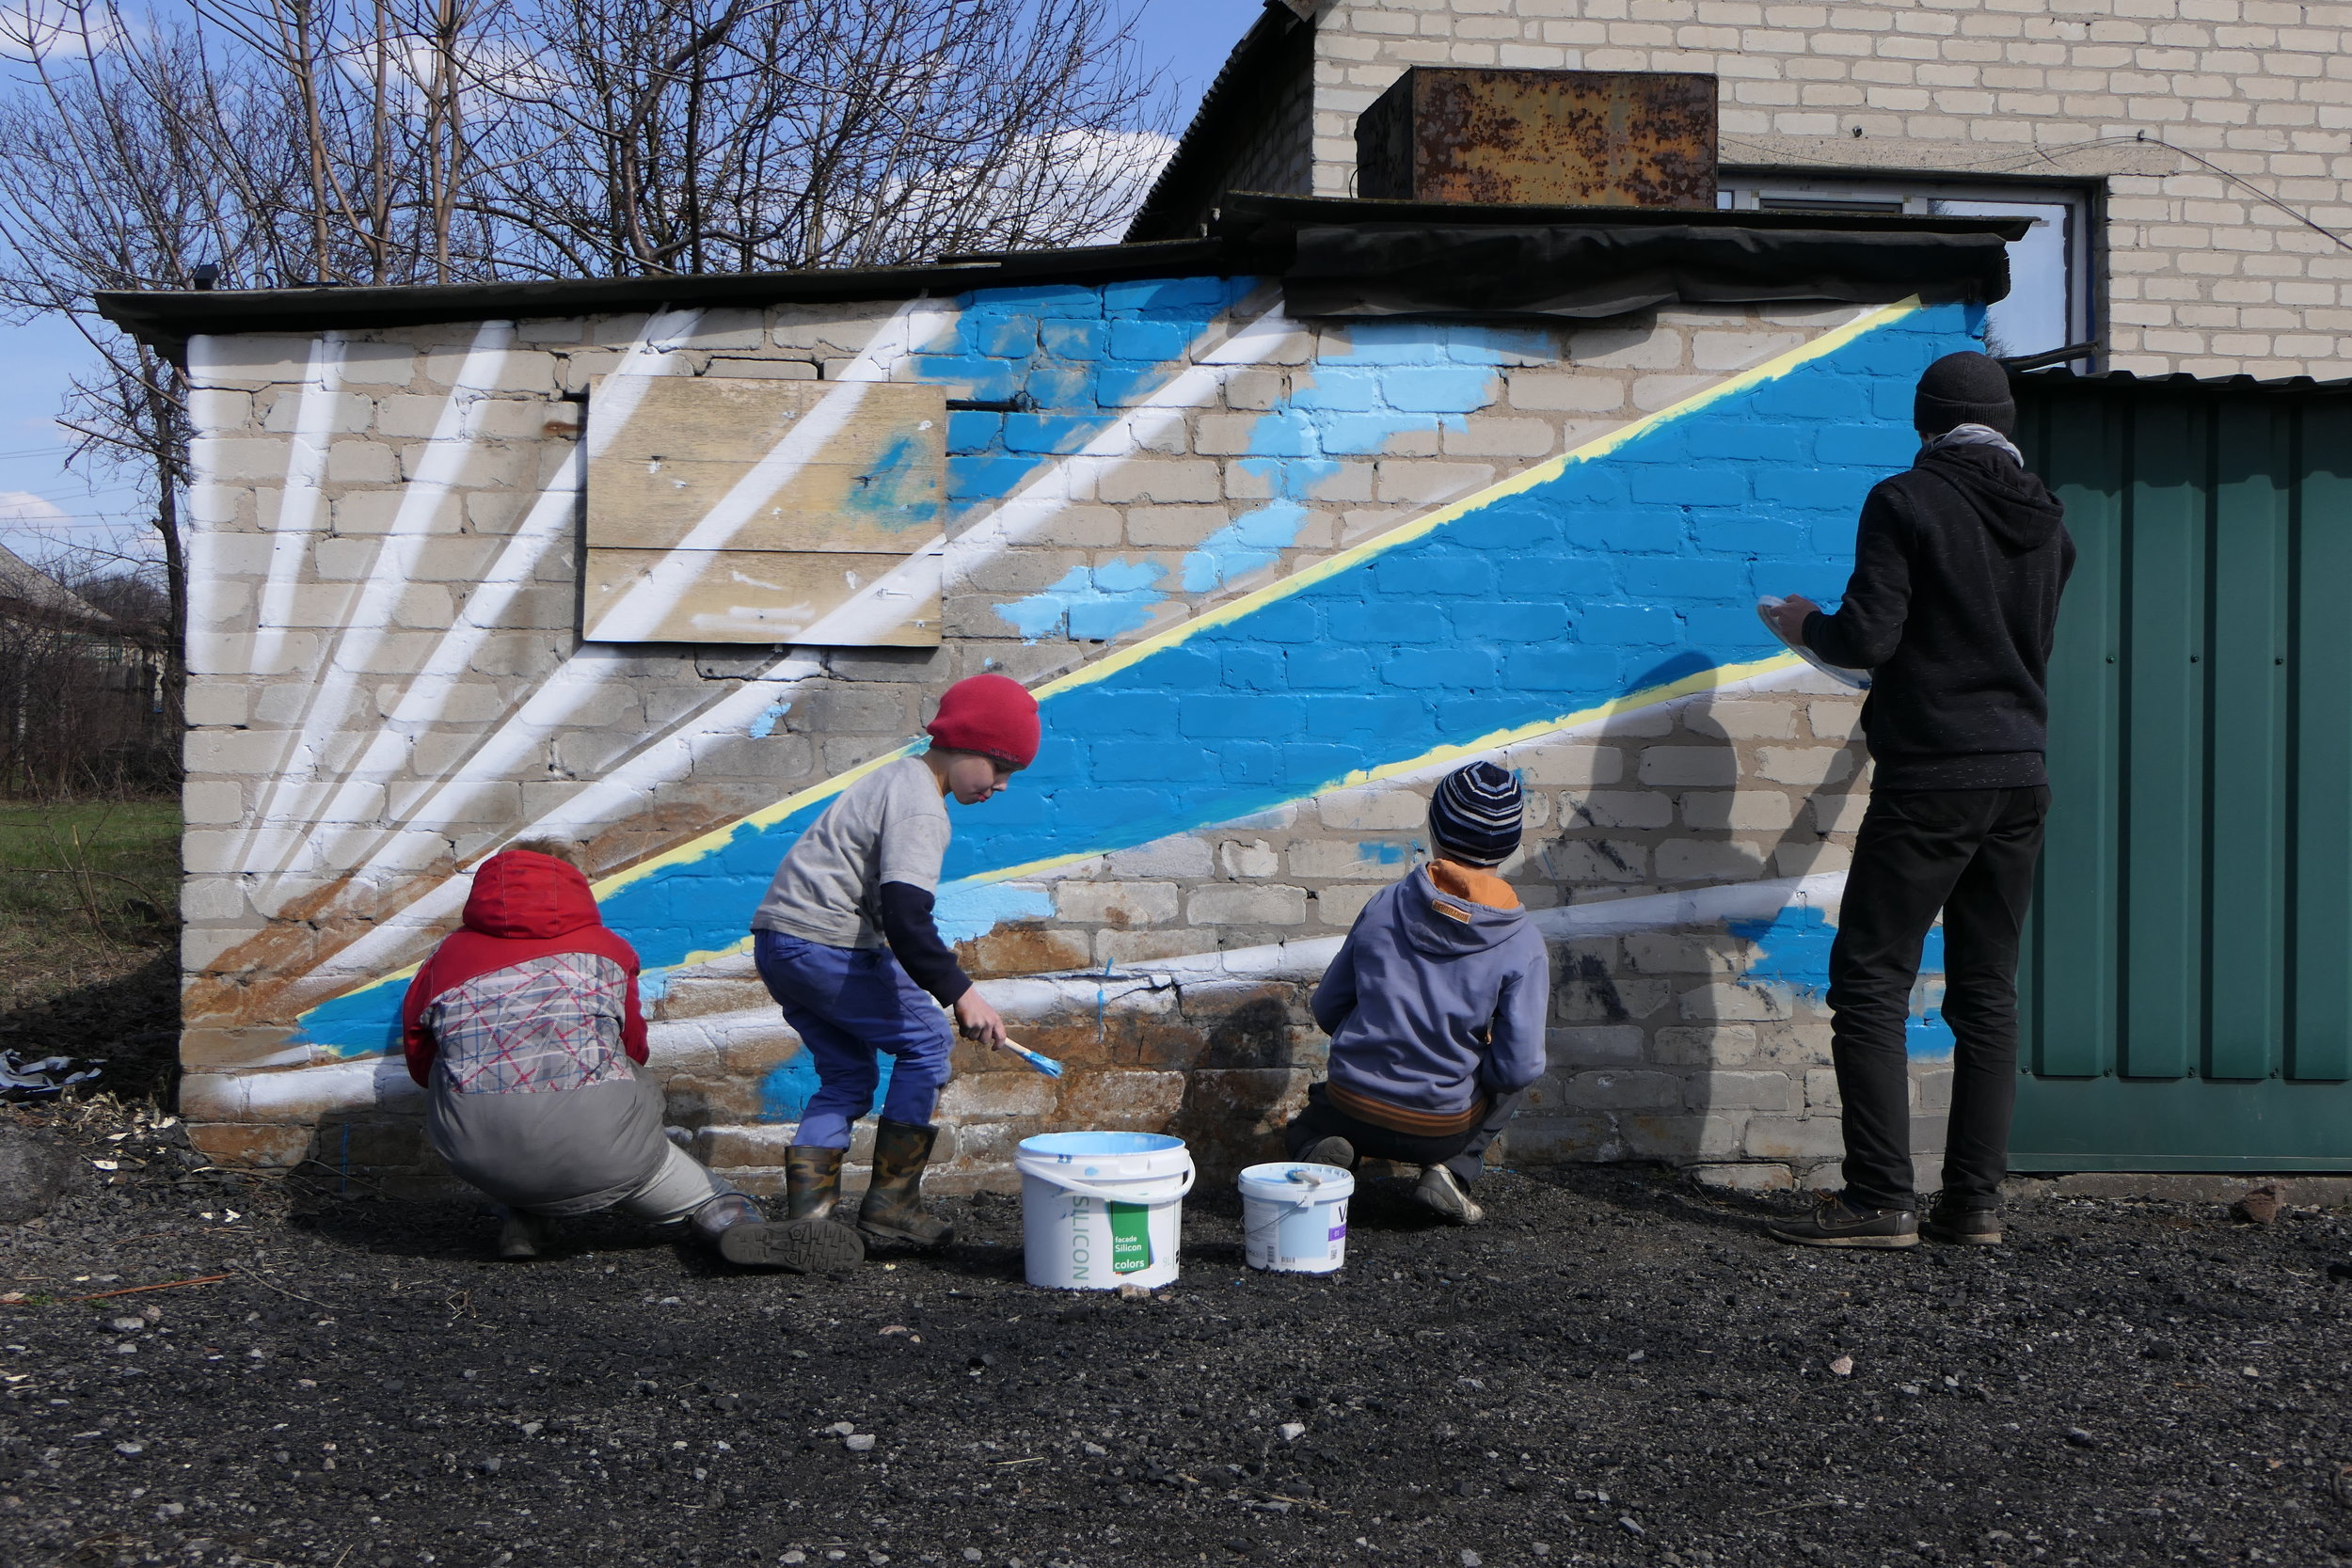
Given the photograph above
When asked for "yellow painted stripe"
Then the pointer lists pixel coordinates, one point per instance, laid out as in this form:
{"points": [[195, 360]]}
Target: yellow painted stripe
{"points": [[1225, 614], [1703, 680], [692, 850], [696, 848], [1518, 483]]}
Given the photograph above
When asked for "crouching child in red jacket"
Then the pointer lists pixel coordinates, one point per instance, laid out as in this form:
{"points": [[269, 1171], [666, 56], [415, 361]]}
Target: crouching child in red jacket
{"points": [[525, 1030]]}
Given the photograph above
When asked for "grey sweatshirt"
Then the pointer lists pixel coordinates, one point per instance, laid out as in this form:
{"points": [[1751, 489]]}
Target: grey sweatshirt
{"points": [[1436, 1002]]}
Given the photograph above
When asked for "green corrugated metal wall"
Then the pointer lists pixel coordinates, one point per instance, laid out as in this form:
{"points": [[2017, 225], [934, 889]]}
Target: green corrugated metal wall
{"points": [[2187, 978]]}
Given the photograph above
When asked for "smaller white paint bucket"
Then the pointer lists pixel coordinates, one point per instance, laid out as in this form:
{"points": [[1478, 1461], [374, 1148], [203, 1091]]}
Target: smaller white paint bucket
{"points": [[1294, 1217], [1101, 1210]]}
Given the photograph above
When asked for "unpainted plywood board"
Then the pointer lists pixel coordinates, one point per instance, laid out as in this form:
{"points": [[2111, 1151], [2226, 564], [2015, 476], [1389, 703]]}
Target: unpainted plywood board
{"points": [[825, 599], [851, 467]]}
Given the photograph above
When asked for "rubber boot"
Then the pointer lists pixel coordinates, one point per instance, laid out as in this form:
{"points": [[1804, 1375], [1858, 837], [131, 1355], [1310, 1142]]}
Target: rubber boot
{"points": [[892, 1209], [811, 1182], [733, 1224]]}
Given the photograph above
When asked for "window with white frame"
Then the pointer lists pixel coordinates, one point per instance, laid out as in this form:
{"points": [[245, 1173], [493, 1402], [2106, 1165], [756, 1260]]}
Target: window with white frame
{"points": [[2050, 296]]}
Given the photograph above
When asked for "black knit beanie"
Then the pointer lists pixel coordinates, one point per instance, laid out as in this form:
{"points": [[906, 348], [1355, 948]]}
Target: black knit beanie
{"points": [[1963, 389], [1475, 814]]}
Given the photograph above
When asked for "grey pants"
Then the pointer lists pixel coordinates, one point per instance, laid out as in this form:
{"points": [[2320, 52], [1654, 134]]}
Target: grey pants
{"points": [[678, 1186], [573, 1151]]}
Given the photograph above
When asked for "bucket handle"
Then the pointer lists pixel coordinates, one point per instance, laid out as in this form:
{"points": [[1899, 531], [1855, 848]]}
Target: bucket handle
{"points": [[1079, 1189]]}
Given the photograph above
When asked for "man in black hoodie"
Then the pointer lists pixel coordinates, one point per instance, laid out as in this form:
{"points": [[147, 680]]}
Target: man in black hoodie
{"points": [[1958, 563]]}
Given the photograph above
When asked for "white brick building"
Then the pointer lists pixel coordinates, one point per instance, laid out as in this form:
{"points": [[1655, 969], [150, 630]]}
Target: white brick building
{"points": [[2199, 149]]}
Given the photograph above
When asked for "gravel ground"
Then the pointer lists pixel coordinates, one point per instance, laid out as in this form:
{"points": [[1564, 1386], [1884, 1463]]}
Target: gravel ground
{"points": [[1618, 1369]]}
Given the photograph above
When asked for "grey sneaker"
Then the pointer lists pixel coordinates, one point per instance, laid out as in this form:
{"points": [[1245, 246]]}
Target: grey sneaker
{"points": [[1837, 1222], [1333, 1150], [1955, 1221], [522, 1235], [1442, 1191]]}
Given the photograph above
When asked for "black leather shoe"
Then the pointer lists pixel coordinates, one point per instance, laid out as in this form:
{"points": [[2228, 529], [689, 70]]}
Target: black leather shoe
{"points": [[1956, 1221], [1837, 1222]]}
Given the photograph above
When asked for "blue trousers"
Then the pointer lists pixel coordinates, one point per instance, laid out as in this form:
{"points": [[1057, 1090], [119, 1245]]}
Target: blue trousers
{"points": [[851, 1007]]}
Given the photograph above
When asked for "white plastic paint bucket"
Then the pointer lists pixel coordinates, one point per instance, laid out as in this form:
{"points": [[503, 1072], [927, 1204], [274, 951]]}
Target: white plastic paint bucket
{"points": [[1101, 1210], [1294, 1217]]}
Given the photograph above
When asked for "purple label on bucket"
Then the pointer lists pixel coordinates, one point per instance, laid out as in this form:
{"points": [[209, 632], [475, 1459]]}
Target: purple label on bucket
{"points": [[1338, 1231]]}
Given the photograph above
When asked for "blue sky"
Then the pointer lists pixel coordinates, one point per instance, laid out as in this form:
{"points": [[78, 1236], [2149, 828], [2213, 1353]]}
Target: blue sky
{"points": [[42, 503]]}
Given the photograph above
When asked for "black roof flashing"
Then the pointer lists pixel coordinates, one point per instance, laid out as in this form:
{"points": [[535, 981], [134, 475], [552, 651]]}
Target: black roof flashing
{"points": [[1335, 257]]}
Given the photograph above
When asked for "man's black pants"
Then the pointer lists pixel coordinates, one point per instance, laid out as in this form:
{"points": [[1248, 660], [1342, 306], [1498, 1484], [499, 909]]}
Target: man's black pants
{"points": [[1970, 853]]}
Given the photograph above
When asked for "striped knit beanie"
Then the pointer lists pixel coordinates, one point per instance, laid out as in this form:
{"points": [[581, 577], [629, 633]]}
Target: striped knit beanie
{"points": [[1474, 816]]}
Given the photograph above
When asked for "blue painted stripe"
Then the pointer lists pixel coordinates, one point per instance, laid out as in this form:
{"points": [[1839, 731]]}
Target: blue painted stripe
{"points": [[1657, 550]]}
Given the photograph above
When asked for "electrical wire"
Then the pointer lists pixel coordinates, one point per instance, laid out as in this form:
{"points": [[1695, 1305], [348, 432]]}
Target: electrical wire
{"points": [[2301, 217], [2141, 138]]}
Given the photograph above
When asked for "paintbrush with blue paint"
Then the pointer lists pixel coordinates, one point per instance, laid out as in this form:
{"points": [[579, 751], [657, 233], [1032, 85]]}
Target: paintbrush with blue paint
{"points": [[1045, 1065]]}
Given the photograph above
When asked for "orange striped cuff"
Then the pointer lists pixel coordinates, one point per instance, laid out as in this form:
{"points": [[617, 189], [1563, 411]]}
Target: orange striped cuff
{"points": [[1399, 1118]]}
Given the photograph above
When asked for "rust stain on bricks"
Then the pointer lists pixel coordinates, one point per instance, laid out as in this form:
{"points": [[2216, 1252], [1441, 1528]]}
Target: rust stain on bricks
{"points": [[270, 977]]}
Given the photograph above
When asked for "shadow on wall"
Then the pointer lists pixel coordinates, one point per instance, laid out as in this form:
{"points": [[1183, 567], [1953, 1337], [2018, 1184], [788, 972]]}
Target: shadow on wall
{"points": [[1703, 1045]]}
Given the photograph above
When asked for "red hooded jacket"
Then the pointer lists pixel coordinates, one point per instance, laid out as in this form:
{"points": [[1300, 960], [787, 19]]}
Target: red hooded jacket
{"points": [[523, 906]]}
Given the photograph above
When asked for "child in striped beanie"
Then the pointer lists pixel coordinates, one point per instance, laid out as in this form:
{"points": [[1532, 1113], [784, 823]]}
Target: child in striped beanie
{"points": [[1435, 1005]]}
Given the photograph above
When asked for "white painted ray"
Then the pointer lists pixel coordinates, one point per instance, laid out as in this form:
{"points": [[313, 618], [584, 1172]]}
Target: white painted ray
{"points": [[209, 508], [653, 352], [628, 785], [641, 610], [554, 704], [624, 790], [298, 499], [888, 601], [384, 1082], [329, 710]]}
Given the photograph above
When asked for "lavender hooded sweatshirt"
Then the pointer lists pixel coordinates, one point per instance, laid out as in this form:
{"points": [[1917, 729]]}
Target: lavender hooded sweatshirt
{"points": [[1436, 1002]]}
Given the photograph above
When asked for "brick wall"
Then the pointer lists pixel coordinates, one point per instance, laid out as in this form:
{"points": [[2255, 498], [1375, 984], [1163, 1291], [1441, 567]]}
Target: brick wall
{"points": [[2204, 273], [1269, 578]]}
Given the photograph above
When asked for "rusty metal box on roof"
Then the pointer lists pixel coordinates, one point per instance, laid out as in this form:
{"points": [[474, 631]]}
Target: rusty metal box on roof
{"points": [[1599, 138]]}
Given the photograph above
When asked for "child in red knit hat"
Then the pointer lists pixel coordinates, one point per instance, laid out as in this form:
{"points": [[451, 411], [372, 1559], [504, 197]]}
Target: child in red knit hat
{"points": [[525, 1030], [846, 942]]}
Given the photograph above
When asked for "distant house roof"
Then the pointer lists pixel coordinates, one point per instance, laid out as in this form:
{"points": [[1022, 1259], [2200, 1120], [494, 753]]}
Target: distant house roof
{"points": [[24, 585], [1239, 106]]}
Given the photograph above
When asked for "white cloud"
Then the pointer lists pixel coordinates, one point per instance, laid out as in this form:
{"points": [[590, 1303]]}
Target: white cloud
{"points": [[22, 509], [1081, 184], [34, 29], [1118, 165]]}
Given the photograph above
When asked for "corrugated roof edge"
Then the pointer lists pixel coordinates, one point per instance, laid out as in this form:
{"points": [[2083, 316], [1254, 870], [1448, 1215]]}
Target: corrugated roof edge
{"points": [[168, 318], [2182, 381], [1254, 235]]}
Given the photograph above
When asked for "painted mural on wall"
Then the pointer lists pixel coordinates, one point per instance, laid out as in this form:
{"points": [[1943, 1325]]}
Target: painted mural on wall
{"points": [[1245, 677]]}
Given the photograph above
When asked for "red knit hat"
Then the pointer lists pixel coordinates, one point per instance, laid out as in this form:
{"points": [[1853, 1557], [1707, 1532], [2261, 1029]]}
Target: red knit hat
{"points": [[992, 715]]}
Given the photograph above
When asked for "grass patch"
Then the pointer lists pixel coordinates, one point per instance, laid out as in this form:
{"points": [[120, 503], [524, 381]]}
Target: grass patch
{"points": [[89, 925]]}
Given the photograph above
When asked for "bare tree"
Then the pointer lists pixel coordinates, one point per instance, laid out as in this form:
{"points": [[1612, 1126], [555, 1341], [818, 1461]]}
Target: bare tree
{"points": [[400, 141], [701, 136], [114, 176], [378, 95]]}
